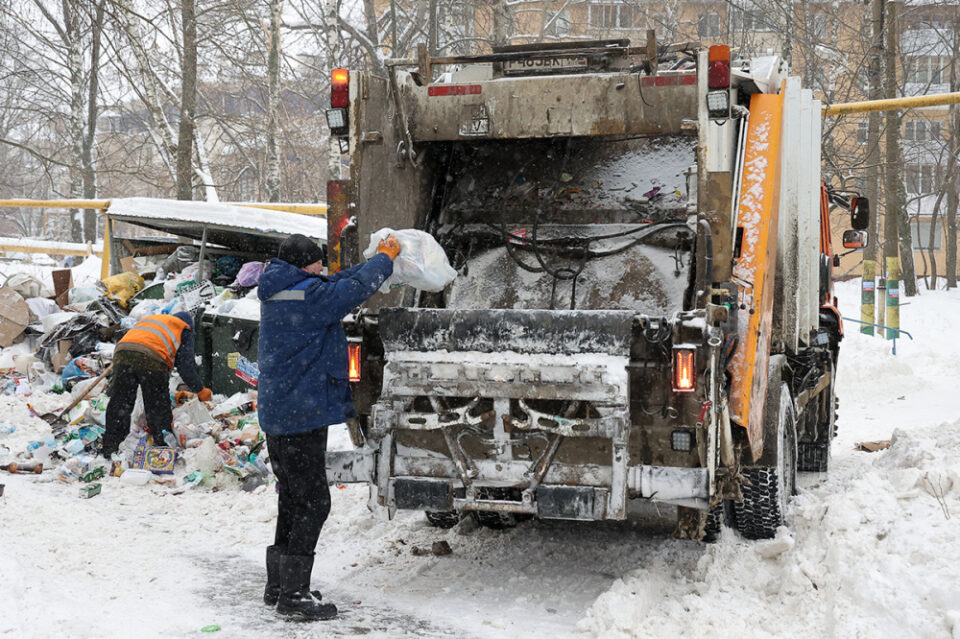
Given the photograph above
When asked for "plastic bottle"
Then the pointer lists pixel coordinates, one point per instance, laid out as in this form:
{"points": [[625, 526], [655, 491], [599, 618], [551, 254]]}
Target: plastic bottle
{"points": [[170, 439], [74, 446], [257, 463], [7, 430]]}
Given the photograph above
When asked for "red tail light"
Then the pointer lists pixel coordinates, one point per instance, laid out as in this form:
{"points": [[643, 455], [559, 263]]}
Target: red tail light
{"points": [[684, 373], [340, 89], [353, 353], [718, 67]]}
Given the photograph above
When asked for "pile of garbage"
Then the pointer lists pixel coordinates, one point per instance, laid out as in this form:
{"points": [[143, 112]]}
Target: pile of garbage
{"points": [[62, 342], [212, 444]]}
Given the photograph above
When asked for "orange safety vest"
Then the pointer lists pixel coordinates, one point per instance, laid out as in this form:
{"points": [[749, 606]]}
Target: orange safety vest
{"points": [[159, 333]]}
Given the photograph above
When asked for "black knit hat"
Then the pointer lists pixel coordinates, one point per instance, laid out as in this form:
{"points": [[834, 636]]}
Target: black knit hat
{"points": [[300, 251]]}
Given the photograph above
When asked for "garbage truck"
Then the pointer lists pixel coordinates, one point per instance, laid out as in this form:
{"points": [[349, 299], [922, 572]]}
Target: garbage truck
{"points": [[643, 307]]}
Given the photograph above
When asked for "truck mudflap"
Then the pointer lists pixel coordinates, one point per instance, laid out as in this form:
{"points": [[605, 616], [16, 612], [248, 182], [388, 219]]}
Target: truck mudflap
{"points": [[498, 330]]}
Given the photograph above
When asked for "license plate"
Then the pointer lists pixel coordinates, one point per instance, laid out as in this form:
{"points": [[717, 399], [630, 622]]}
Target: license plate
{"points": [[543, 65]]}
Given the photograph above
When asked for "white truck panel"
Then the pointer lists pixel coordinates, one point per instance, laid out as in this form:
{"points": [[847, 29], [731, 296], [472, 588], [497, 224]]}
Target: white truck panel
{"points": [[786, 300], [807, 226], [813, 188]]}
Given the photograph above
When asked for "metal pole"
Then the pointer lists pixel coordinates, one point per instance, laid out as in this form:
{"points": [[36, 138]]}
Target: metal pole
{"points": [[203, 251]]}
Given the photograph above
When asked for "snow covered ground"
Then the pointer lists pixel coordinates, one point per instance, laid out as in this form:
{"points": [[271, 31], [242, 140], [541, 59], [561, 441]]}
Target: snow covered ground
{"points": [[872, 551]]}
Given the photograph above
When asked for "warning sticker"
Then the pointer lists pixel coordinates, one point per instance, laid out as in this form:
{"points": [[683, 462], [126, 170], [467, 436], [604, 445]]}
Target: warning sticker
{"points": [[893, 292], [869, 285]]}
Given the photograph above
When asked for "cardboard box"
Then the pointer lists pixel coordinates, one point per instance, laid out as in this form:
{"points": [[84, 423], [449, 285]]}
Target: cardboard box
{"points": [[62, 357], [128, 266], [62, 283], [14, 316]]}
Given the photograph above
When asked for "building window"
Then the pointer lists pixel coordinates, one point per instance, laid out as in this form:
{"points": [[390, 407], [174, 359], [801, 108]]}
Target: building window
{"points": [[752, 21], [820, 25], [921, 131], [559, 26], [709, 26], [863, 132], [921, 236], [924, 69], [613, 16], [923, 178]]}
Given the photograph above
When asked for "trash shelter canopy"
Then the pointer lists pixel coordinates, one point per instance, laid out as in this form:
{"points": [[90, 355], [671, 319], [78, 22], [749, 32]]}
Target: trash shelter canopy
{"points": [[240, 228]]}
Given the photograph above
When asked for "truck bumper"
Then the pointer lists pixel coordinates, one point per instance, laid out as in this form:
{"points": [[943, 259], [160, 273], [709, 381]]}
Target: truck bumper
{"points": [[410, 489]]}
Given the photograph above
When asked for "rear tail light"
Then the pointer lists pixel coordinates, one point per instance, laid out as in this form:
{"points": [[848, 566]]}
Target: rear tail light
{"points": [[718, 67], [684, 374], [353, 354], [340, 89]]}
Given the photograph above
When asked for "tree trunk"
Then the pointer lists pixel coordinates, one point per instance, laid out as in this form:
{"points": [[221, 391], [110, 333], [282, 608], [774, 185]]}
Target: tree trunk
{"points": [[501, 23], [869, 294], [370, 15], [953, 170], [333, 50], [432, 28], [273, 104], [145, 84], [71, 23], [188, 101], [93, 90], [897, 225]]}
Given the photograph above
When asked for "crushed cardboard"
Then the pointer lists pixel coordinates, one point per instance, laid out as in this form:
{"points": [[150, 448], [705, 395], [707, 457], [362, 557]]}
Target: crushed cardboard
{"points": [[14, 316], [872, 447]]}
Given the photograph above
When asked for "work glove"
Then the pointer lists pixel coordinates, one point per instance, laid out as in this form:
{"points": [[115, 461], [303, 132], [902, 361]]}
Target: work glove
{"points": [[206, 395], [389, 246]]}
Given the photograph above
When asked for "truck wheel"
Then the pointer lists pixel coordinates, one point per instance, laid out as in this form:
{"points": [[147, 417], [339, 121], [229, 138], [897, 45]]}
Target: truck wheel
{"points": [[495, 520], [444, 519], [814, 457], [764, 503], [718, 518]]}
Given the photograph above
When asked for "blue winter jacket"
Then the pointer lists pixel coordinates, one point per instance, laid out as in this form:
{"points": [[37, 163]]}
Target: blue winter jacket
{"points": [[303, 383]]}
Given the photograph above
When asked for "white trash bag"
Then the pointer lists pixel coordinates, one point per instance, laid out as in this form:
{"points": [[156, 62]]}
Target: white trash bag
{"points": [[421, 264]]}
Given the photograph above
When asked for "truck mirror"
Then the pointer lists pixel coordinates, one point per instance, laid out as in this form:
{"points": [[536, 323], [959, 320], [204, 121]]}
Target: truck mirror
{"points": [[860, 214], [854, 239]]}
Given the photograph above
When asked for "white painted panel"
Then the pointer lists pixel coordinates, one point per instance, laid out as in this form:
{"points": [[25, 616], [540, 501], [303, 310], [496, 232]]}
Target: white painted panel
{"points": [[785, 300], [816, 124], [807, 230]]}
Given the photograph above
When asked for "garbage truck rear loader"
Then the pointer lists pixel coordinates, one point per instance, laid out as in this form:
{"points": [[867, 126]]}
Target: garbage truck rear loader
{"points": [[643, 307]]}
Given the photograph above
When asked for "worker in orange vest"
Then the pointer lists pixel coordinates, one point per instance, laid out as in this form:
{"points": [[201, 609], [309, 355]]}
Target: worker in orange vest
{"points": [[143, 359]]}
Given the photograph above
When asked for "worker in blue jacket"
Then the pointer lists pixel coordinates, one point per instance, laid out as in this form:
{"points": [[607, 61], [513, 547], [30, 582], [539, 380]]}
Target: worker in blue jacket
{"points": [[303, 388]]}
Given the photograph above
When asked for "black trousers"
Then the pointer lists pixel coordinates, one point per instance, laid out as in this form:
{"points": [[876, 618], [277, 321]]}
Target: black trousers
{"points": [[299, 462], [154, 385]]}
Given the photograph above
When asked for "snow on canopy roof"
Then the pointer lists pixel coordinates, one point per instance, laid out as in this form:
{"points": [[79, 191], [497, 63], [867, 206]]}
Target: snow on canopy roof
{"points": [[169, 215]]}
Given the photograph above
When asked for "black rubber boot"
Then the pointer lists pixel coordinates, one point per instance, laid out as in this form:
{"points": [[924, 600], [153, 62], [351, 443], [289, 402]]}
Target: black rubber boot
{"points": [[272, 592], [296, 600]]}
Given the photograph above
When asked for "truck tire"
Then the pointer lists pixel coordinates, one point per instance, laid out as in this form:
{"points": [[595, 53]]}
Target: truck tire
{"points": [[764, 504], [718, 518], [445, 519], [814, 457]]}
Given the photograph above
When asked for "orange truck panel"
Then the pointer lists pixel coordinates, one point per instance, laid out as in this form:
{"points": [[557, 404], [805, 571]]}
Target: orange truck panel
{"points": [[755, 269]]}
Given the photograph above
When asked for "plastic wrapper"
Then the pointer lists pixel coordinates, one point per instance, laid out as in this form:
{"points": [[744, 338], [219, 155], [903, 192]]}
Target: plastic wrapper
{"points": [[422, 262], [122, 287], [250, 273], [80, 294]]}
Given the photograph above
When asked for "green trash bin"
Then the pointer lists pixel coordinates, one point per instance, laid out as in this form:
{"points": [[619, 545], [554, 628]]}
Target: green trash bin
{"points": [[227, 347]]}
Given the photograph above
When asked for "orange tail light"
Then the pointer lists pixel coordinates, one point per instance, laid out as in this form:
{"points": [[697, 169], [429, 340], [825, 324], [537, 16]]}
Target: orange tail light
{"points": [[684, 374], [353, 353], [340, 89]]}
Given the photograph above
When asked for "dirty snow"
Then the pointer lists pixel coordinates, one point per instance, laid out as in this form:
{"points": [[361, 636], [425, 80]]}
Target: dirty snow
{"points": [[872, 551]]}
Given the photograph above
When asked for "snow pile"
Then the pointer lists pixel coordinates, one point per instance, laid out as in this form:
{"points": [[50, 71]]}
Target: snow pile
{"points": [[865, 557]]}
